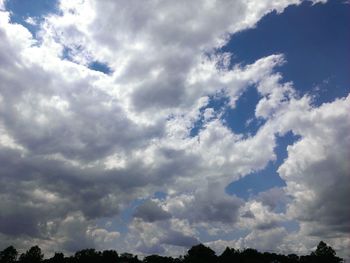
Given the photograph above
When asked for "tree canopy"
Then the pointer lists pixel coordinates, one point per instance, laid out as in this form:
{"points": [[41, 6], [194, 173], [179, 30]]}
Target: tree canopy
{"points": [[197, 254]]}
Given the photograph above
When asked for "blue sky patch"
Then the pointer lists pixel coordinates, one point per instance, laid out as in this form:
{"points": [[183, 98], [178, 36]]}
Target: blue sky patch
{"points": [[160, 195], [291, 225], [101, 67], [218, 103], [21, 10], [66, 53], [241, 119], [120, 223], [267, 178], [315, 41]]}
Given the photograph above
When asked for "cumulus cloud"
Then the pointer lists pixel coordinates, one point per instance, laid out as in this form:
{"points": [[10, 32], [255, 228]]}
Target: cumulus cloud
{"points": [[256, 215], [179, 239], [262, 240], [272, 197], [2, 4], [151, 211], [209, 204], [77, 145], [317, 168], [164, 236]]}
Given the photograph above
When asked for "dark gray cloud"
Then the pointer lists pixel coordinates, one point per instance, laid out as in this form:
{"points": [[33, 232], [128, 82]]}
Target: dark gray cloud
{"points": [[179, 239], [270, 224], [248, 214], [156, 249], [213, 205], [225, 211], [272, 197], [19, 224], [150, 211], [208, 204], [169, 95]]}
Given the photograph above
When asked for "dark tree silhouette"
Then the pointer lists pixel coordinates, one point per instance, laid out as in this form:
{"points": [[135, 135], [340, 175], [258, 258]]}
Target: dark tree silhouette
{"points": [[128, 258], [158, 259], [200, 254], [251, 255], [89, 255], [323, 250], [325, 253], [109, 256], [33, 255], [197, 254], [8, 255], [229, 255], [57, 258], [293, 258]]}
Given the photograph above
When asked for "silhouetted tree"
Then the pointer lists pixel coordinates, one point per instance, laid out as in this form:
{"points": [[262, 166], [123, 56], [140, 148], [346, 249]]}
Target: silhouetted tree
{"points": [[157, 259], [324, 253], [230, 255], [323, 250], [57, 258], [200, 254], [197, 254], [128, 258], [180, 259], [250, 255], [8, 255], [109, 256], [293, 258], [33, 255], [87, 256]]}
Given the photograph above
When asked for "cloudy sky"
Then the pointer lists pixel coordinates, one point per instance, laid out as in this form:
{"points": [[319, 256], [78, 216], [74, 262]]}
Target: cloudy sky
{"points": [[151, 126]]}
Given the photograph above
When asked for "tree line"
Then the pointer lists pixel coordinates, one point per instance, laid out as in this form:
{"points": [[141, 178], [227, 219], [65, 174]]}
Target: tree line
{"points": [[197, 254]]}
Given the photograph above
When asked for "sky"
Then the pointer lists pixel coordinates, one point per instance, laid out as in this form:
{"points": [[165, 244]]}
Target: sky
{"points": [[151, 127]]}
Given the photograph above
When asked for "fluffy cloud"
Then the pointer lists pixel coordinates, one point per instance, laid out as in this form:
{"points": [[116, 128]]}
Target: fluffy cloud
{"points": [[160, 235], [316, 171], [151, 211], [169, 37], [208, 204], [272, 197], [78, 145], [262, 240]]}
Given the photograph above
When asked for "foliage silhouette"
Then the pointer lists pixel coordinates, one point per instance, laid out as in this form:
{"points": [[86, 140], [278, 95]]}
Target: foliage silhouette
{"points": [[110, 256], [57, 258], [197, 254], [158, 259], [324, 253], [200, 254], [323, 250], [33, 255], [8, 255], [229, 255]]}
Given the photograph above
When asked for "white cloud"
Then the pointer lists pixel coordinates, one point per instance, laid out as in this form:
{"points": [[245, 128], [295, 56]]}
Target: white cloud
{"points": [[2, 5], [264, 240], [207, 204], [78, 145], [316, 170], [31, 21]]}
